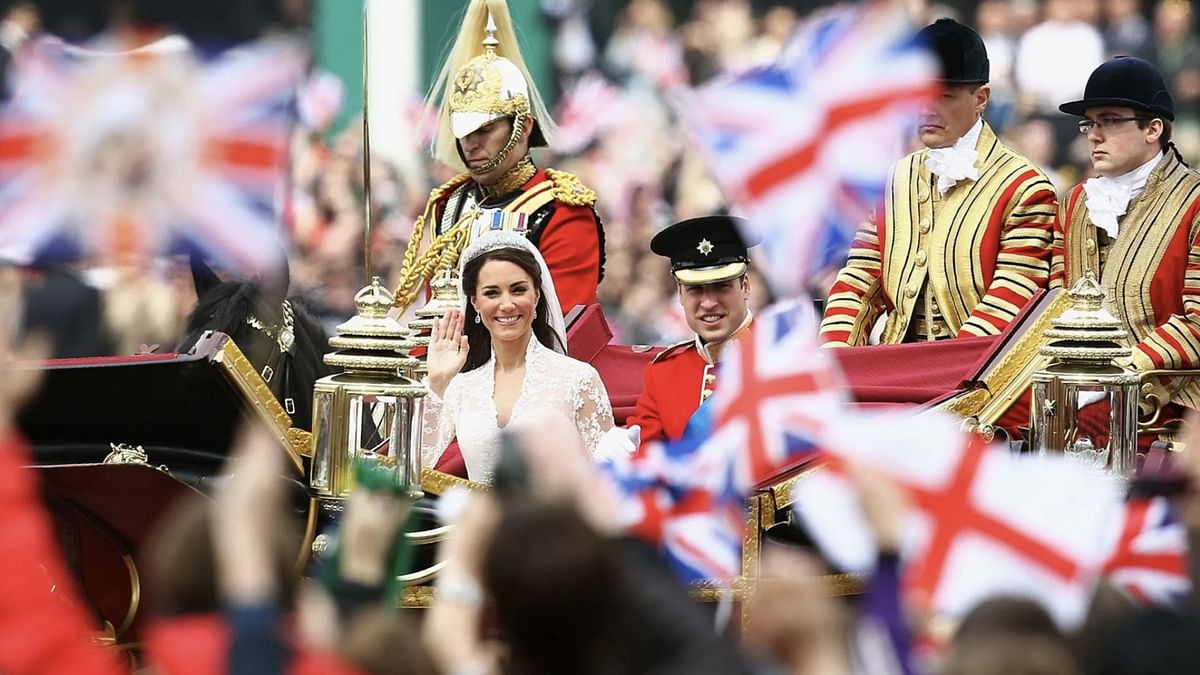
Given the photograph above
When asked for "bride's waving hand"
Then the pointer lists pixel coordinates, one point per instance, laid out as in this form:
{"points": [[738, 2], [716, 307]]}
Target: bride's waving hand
{"points": [[447, 351]]}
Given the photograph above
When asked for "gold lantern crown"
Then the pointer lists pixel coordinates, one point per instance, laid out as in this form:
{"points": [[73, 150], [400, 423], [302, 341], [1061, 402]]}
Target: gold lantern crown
{"points": [[483, 79], [1086, 332]]}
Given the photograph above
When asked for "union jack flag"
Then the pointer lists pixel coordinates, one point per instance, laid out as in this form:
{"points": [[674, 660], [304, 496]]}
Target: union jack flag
{"points": [[680, 498], [777, 391], [130, 154], [804, 147], [1149, 560]]}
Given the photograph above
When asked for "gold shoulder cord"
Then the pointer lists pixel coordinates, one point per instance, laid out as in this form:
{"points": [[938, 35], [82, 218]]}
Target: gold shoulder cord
{"points": [[443, 251]]}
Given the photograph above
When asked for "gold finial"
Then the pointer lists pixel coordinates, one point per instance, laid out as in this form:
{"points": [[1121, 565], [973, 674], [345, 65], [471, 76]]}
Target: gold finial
{"points": [[373, 301], [1087, 332], [490, 42], [372, 341]]}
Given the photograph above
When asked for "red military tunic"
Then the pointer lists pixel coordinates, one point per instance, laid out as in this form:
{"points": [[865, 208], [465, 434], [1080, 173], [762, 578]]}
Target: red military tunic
{"points": [[561, 220], [677, 382]]}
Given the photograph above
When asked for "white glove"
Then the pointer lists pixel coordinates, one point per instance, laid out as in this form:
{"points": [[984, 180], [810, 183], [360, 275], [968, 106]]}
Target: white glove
{"points": [[618, 442]]}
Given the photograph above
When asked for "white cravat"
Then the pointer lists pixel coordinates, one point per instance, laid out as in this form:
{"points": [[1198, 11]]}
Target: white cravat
{"points": [[1107, 198], [956, 162]]}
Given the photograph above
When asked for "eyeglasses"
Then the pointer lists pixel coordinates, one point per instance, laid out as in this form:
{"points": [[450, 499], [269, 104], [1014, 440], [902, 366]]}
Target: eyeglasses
{"points": [[1105, 123]]}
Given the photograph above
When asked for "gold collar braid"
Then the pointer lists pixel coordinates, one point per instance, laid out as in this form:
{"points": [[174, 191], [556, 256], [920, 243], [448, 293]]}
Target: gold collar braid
{"points": [[517, 176]]}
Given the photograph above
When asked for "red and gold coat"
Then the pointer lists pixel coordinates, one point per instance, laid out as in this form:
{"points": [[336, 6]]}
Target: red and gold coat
{"points": [[978, 253], [677, 381], [561, 220], [1150, 272]]}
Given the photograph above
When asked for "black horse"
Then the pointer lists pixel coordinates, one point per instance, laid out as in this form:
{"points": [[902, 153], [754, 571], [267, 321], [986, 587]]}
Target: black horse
{"points": [[278, 334]]}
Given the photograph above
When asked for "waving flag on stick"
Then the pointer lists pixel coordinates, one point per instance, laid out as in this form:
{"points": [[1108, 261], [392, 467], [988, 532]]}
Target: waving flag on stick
{"points": [[984, 522], [803, 148], [777, 392], [148, 151]]}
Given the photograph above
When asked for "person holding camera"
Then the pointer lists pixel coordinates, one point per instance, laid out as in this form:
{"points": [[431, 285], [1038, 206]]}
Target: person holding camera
{"points": [[504, 357]]}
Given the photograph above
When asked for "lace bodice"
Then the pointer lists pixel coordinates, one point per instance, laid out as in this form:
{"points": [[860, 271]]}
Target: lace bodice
{"points": [[468, 408]]}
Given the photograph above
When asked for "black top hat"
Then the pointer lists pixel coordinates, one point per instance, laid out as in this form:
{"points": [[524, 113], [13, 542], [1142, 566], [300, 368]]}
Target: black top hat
{"points": [[1125, 81], [960, 49], [704, 250]]}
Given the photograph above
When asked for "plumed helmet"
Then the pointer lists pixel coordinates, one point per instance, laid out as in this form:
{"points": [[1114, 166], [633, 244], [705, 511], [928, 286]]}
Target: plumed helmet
{"points": [[484, 79]]}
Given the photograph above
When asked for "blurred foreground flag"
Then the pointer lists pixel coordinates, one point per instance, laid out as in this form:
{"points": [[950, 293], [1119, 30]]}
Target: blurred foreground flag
{"points": [[1149, 561], [802, 148], [984, 522], [131, 154], [778, 393]]}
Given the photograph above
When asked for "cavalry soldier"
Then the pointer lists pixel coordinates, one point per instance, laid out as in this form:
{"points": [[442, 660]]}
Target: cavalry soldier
{"points": [[491, 115], [963, 240], [709, 262], [1136, 226]]}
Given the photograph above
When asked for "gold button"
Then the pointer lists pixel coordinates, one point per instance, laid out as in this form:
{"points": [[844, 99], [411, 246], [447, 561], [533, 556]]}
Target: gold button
{"points": [[920, 258], [911, 291], [705, 394], [1090, 244], [922, 195], [924, 225], [937, 328]]}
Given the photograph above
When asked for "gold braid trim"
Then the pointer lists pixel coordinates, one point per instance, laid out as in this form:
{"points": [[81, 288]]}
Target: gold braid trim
{"points": [[410, 278], [442, 254], [568, 189]]}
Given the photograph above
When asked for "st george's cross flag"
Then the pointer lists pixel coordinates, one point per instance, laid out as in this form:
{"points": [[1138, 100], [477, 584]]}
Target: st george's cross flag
{"points": [[984, 522]]}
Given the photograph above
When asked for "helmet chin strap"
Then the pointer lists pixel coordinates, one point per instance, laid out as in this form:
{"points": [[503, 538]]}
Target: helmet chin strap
{"points": [[518, 127]]}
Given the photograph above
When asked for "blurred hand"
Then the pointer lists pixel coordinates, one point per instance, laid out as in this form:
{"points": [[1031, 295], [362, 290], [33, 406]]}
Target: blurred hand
{"points": [[884, 504], [25, 16], [559, 469], [464, 551], [368, 535], [247, 508], [796, 621], [447, 351]]}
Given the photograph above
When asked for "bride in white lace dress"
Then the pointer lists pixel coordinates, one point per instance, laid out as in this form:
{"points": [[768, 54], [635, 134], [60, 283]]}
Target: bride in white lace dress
{"points": [[510, 361]]}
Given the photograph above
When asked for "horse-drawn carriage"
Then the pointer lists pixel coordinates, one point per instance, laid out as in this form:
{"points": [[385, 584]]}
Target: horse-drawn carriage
{"points": [[119, 439]]}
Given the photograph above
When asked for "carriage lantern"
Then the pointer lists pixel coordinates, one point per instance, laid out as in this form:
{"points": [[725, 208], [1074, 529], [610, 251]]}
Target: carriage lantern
{"points": [[1084, 403], [372, 411]]}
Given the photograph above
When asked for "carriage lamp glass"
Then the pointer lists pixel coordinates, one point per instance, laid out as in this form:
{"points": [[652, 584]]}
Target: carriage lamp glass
{"points": [[372, 411], [1084, 403]]}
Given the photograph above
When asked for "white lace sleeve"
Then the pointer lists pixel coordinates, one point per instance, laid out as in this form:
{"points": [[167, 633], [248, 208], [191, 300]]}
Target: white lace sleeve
{"points": [[437, 424], [593, 410]]}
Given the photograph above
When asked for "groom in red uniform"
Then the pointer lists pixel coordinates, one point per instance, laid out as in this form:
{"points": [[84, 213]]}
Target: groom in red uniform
{"points": [[709, 262]]}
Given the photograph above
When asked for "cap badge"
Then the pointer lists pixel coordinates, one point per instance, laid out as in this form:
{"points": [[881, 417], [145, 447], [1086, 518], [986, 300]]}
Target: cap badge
{"points": [[705, 247]]}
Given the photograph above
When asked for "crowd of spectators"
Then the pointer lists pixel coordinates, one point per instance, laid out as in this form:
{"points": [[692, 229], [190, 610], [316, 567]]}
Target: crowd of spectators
{"points": [[622, 134]]}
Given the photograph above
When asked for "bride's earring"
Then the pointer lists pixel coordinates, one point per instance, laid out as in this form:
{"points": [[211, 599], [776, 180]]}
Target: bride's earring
{"points": [[477, 319], [535, 313]]}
